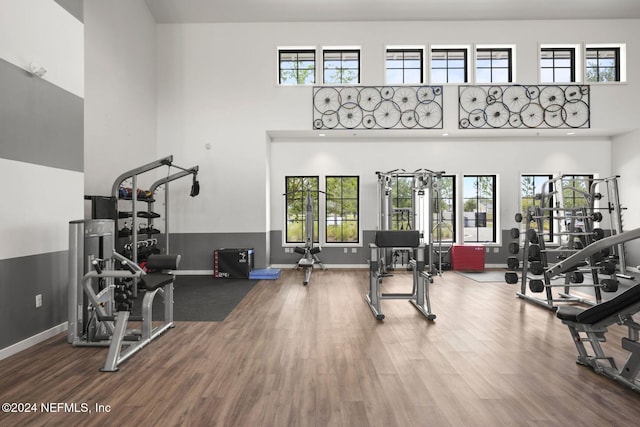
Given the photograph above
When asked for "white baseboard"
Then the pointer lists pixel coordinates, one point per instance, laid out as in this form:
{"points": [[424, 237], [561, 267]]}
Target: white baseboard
{"points": [[31, 341]]}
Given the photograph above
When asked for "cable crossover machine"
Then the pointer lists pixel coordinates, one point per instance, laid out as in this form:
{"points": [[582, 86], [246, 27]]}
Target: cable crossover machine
{"points": [[408, 230]]}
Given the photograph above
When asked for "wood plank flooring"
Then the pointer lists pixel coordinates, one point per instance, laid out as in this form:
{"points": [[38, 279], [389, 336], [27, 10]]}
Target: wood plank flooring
{"points": [[293, 355]]}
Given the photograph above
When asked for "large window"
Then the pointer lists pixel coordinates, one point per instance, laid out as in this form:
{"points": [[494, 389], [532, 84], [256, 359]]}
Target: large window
{"points": [[404, 66], [557, 65], [444, 210], [341, 66], [342, 209], [300, 190], [401, 203], [297, 67], [448, 65], [603, 64], [531, 187], [494, 65], [479, 196], [575, 190]]}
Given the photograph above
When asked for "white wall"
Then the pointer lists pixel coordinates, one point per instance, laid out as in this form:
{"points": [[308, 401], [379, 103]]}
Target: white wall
{"points": [[41, 31], [625, 161], [120, 100], [217, 85]]}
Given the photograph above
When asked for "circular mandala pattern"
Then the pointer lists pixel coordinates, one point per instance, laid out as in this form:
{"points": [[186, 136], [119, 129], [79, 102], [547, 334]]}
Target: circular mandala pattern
{"points": [[519, 106], [377, 107]]}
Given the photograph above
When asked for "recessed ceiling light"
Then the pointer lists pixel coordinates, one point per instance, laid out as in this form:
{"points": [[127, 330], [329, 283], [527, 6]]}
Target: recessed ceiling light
{"points": [[445, 134], [571, 133], [321, 134]]}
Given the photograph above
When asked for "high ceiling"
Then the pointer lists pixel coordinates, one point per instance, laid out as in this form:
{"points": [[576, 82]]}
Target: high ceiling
{"points": [[200, 11]]}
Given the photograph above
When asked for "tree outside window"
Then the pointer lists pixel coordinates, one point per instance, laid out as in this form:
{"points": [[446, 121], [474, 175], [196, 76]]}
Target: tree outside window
{"points": [[341, 66], [296, 207], [342, 209], [297, 67], [602, 65]]}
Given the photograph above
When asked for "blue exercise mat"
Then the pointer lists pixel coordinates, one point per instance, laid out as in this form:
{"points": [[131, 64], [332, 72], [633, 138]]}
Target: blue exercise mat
{"points": [[265, 274]]}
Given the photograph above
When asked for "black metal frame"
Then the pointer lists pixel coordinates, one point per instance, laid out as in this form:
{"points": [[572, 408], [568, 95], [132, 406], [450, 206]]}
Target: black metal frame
{"points": [[377, 107], [524, 106]]}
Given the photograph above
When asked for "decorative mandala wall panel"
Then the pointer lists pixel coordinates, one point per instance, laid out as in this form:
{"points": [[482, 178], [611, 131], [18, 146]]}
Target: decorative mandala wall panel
{"points": [[518, 106], [377, 107]]}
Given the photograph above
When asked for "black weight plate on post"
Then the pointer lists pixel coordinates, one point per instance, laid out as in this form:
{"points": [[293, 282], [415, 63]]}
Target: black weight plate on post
{"points": [[536, 268], [536, 285], [510, 277], [514, 248], [513, 263], [609, 285], [534, 253]]}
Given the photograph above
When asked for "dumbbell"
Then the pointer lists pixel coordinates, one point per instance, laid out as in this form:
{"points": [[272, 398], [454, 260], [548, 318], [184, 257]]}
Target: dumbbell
{"points": [[511, 277], [530, 233]]}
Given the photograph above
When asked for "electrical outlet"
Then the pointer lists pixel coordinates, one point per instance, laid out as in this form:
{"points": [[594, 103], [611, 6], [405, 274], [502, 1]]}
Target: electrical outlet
{"points": [[38, 300], [345, 250], [354, 250]]}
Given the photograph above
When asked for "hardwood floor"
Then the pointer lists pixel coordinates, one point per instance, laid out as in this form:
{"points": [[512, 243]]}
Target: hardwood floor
{"points": [[293, 355]]}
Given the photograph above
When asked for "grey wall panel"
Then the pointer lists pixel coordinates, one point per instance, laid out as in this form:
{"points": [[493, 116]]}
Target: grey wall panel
{"points": [[41, 123], [197, 248], [22, 279], [74, 7]]}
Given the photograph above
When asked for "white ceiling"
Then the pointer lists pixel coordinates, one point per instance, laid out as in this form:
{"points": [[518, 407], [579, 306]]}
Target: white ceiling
{"points": [[200, 11]]}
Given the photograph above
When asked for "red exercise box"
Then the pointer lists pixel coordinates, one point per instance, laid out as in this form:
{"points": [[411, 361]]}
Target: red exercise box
{"points": [[467, 258]]}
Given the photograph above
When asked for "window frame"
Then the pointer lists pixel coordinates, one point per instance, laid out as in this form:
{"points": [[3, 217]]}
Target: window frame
{"points": [[551, 220], [342, 51], [302, 218], [326, 219], [404, 51], [454, 212], [620, 62], [495, 210], [510, 49], [297, 51], [573, 61], [448, 49]]}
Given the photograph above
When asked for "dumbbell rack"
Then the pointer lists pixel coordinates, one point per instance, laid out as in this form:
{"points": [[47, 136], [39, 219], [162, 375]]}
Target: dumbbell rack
{"points": [[536, 260]]}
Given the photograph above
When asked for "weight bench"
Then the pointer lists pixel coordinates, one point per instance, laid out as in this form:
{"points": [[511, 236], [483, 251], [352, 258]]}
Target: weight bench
{"points": [[409, 239], [158, 281], [590, 325]]}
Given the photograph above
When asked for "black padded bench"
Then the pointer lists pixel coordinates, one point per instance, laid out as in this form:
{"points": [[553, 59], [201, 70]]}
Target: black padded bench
{"points": [[603, 311], [160, 267], [590, 325]]}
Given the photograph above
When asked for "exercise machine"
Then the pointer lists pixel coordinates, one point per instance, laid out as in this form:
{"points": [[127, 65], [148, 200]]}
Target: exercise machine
{"points": [[574, 228], [407, 240], [96, 315], [140, 226], [409, 201], [309, 251], [589, 326]]}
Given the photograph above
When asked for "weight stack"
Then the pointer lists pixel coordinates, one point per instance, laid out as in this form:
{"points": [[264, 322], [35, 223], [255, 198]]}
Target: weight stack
{"points": [[232, 263]]}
